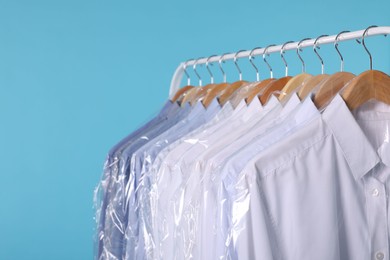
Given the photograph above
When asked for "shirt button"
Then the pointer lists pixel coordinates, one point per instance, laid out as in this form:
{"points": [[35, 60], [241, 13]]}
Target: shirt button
{"points": [[379, 256], [375, 192]]}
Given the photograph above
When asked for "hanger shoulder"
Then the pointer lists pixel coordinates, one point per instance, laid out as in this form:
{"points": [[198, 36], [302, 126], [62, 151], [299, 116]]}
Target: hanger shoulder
{"points": [[274, 86], [190, 95], [255, 90], [371, 84], [182, 91], [229, 90], [310, 84], [196, 93], [330, 87], [293, 84], [213, 92], [203, 92]]}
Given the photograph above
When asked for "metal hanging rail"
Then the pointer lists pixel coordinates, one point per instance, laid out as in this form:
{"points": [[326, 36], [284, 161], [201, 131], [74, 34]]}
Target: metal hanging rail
{"points": [[177, 77]]}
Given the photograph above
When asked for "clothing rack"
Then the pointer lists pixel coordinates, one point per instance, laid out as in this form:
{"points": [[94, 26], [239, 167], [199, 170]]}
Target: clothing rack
{"points": [[178, 75]]}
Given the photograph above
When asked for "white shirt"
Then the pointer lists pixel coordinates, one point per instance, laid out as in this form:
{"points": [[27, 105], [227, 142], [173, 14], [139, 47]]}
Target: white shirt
{"points": [[267, 136], [168, 183], [202, 243], [321, 192], [146, 243]]}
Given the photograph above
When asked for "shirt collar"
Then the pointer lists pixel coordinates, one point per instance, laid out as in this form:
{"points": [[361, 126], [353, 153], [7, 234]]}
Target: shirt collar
{"points": [[196, 110], [273, 101], [172, 109], [291, 104], [377, 112], [165, 109], [241, 104], [226, 109], [212, 109], [253, 108], [384, 153], [358, 151]]}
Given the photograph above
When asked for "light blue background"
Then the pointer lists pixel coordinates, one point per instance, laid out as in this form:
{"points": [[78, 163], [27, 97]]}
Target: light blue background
{"points": [[76, 76]]}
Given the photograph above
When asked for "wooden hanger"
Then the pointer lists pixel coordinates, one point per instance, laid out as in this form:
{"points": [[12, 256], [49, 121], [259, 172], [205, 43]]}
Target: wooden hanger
{"points": [[213, 92], [272, 87], [293, 84], [204, 92], [286, 84], [256, 89], [194, 94], [190, 96], [371, 84], [228, 91], [217, 88], [309, 84], [330, 87], [181, 93], [231, 88], [274, 84]]}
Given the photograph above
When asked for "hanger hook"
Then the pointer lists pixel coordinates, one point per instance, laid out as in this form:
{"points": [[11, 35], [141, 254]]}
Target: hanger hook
{"points": [[315, 47], [235, 63], [265, 53], [251, 58], [207, 66], [197, 74], [364, 44], [299, 56], [336, 45], [185, 71], [282, 56], [220, 66]]}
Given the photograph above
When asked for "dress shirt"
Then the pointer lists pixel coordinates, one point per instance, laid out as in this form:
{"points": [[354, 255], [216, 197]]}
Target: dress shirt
{"points": [[206, 175], [114, 209], [321, 192], [227, 174], [147, 214], [174, 175], [191, 168], [101, 193], [141, 161]]}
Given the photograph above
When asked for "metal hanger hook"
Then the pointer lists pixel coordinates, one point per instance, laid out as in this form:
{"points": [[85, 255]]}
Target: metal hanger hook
{"points": [[251, 58], [208, 69], [220, 66], [282, 56], [196, 72], [265, 53], [299, 56], [235, 63], [336, 45], [364, 44], [185, 72], [315, 47]]}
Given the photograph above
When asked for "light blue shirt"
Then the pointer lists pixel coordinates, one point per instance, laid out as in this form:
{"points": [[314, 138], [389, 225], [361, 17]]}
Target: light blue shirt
{"points": [[113, 211], [169, 109]]}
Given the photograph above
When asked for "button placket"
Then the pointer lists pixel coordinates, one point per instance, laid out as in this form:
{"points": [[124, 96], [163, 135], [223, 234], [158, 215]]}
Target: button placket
{"points": [[377, 217]]}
